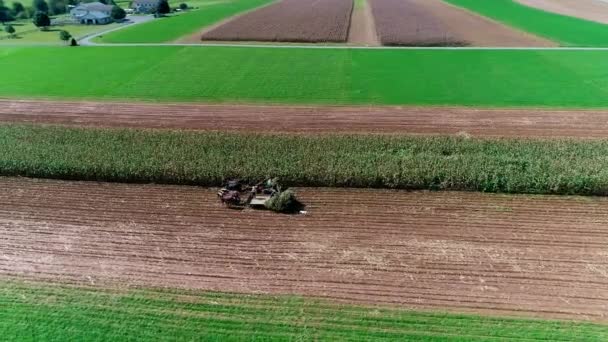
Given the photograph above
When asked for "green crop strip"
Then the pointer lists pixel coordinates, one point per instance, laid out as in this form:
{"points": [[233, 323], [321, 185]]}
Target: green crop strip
{"points": [[441, 163], [38, 311], [568, 31], [320, 76], [170, 28]]}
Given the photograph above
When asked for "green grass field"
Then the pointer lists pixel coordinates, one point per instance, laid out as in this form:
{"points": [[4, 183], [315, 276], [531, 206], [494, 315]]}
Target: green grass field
{"points": [[567, 31], [437, 163], [178, 25], [38, 311], [317, 76]]}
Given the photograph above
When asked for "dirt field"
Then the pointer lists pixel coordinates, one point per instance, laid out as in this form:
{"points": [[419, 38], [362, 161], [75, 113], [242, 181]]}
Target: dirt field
{"points": [[289, 21], [435, 23], [465, 251], [403, 22], [362, 28], [299, 119], [594, 10]]}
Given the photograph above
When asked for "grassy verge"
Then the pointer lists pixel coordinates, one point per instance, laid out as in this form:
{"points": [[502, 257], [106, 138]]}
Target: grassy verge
{"points": [[566, 30], [321, 76], [37, 311], [177, 25], [512, 166]]}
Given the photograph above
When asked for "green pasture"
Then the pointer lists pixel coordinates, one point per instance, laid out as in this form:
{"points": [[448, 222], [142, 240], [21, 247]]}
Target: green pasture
{"points": [[49, 312], [377, 161], [568, 31], [174, 26], [489, 78]]}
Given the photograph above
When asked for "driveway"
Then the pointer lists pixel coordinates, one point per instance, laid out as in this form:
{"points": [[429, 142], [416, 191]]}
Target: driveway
{"points": [[131, 20]]}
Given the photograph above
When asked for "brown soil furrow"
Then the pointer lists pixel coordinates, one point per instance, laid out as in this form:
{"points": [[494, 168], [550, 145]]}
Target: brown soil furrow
{"points": [[545, 255], [424, 230], [301, 119], [289, 21], [436, 23]]}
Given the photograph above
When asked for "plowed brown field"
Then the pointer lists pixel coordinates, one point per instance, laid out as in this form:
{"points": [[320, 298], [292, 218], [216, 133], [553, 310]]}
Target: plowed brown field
{"points": [[289, 21], [300, 119], [536, 255], [436, 23]]}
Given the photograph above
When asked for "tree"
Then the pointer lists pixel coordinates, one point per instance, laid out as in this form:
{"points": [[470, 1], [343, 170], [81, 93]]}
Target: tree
{"points": [[57, 6], [183, 6], [5, 13], [41, 6], [163, 7], [118, 13], [65, 35], [18, 8], [10, 30], [42, 20]]}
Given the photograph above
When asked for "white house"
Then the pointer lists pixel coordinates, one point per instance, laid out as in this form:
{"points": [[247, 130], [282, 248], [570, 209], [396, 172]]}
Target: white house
{"points": [[94, 13], [144, 6]]}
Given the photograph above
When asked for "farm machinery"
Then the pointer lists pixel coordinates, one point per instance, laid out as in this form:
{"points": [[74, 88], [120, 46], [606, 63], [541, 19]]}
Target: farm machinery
{"points": [[238, 195]]}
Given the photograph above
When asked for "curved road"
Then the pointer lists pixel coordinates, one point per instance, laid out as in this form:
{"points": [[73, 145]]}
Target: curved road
{"points": [[132, 20]]}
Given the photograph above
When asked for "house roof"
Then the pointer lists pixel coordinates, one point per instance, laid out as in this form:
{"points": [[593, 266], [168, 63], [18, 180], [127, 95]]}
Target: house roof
{"points": [[141, 2], [93, 15], [95, 6]]}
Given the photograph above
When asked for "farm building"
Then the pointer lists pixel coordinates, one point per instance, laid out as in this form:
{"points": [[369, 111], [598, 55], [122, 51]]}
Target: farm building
{"points": [[94, 13], [144, 6]]}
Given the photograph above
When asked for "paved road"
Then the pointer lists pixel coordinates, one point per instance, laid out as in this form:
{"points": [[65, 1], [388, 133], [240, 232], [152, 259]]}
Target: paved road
{"points": [[132, 20], [313, 46]]}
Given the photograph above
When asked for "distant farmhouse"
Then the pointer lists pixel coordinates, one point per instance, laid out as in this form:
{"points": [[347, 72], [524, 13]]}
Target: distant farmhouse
{"points": [[144, 6], [94, 13]]}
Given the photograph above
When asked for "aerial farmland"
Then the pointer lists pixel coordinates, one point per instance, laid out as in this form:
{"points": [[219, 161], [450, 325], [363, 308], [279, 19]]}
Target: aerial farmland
{"points": [[305, 170]]}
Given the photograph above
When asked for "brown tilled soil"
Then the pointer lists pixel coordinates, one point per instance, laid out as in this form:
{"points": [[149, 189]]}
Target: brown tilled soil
{"points": [[436, 23], [405, 22], [532, 255], [300, 119], [196, 36], [289, 21], [362, 29], [594, 10]]}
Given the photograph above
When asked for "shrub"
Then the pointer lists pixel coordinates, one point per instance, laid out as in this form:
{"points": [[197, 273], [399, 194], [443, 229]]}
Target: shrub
{"points": [[10, 30], [64, 35]]}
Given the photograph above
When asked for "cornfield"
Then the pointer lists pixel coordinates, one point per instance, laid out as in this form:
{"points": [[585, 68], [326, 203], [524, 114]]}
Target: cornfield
{"points": [[404, 162]]}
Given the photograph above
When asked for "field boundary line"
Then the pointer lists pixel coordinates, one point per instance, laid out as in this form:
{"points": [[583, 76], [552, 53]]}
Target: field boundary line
{"points": [[295, 46]]}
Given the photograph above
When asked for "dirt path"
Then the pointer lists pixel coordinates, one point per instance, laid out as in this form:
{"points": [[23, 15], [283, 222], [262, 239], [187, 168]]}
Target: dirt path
{"points": [[594, 10], [301, 119], [362, 29], [531, 255], [479, 30]]}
